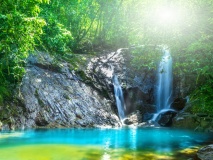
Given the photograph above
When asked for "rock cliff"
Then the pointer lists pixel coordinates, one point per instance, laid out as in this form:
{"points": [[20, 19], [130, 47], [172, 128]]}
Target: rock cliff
{"points": [[52, 95]]}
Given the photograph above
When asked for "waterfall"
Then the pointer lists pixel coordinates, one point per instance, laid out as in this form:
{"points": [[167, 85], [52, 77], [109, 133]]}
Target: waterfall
{"points": [[119, 98], [164, 82]]}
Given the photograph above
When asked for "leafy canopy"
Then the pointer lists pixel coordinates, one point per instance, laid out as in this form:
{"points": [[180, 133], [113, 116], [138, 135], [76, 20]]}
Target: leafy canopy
{"points": [[67, 26]]}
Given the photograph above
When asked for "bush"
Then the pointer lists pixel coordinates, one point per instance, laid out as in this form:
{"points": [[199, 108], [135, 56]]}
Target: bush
{"points": [[202, 98], [56, 37]]}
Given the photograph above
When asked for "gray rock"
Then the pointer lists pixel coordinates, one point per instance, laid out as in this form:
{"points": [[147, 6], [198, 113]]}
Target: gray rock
{"points": [[133, 119], [206, 153], [59, 99]]}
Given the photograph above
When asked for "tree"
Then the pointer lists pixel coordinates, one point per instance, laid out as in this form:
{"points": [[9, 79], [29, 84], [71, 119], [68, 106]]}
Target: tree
{"points": [[20, 28]]}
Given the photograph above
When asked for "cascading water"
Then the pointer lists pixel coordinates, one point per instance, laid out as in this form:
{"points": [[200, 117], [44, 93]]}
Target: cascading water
{"points": [[164, 83], [119, 97]]}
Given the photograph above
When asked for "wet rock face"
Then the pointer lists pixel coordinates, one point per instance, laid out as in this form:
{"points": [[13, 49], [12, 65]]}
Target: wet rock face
{"points": [[138, 86], [135, 99], [56, 97], [205, 153], [178, 104], [101, 69]]}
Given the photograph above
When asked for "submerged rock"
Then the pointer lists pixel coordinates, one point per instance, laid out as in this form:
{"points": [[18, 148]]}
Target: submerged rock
{"points": [[206, 153], [55, 96]]}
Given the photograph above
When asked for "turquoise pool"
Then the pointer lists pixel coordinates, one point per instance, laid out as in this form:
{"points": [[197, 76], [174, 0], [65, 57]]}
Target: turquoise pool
{"points": [[103, 144]]}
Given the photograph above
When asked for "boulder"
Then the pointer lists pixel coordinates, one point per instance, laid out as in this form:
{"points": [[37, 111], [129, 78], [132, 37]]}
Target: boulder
{"points": [[165, 118], [133, 119], [178, 104], [205, 153]]}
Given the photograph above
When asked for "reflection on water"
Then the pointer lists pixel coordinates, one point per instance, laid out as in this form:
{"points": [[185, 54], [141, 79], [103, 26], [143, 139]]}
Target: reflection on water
{"points": [[12, 134], [106, 154], [101, 144]]}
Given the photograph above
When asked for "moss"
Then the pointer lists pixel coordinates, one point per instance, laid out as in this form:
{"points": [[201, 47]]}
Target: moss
{"points": [[74, 60], [5, 93], [7, 112]]}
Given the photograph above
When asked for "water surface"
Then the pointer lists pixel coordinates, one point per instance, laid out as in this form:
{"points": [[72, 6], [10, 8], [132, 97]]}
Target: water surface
{"points": [[103, 144]]}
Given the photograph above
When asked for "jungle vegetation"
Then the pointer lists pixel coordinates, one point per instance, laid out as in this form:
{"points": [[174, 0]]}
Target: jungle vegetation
{"points": [[81, 26]]}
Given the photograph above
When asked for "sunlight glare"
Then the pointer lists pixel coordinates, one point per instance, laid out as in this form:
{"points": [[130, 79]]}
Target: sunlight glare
{"points": [[166, 15]]}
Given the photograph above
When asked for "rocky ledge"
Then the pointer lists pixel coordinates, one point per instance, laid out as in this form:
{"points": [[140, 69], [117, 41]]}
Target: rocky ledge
{"points": [[196, 122]]}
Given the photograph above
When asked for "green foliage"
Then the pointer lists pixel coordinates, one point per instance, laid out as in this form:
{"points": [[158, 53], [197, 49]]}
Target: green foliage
{"points": [[146, 57], [5, 93], [197, 63], [111, 25], [90, 22], [70, 24], [75, 61], [63, 26], [6, 112], [20, 27], [202, 98], [57, 38]]}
